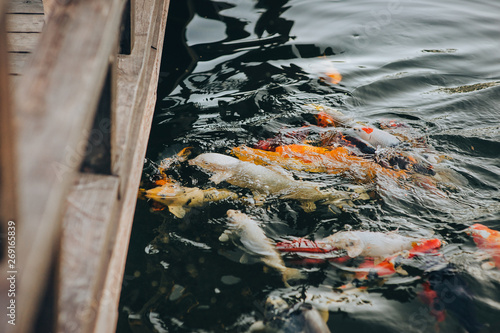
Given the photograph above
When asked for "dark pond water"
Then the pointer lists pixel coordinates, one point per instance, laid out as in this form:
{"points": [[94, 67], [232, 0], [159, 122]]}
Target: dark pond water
{"points": [[239, 71]]}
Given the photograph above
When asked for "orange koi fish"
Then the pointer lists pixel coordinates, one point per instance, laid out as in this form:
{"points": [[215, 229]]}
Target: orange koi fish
{"points": [[337, 160], [487, 240], [303, 157]]}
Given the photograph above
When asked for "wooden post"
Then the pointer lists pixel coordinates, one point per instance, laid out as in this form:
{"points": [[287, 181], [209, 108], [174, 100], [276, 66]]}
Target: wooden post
{"points": [[8, 203]]}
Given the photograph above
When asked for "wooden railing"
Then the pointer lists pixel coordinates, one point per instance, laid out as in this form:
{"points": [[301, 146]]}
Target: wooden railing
{"points": [[82, 113]]}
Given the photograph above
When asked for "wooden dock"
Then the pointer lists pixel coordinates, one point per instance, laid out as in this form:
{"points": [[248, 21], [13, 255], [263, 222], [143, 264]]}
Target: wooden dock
{"points": [[77, 94]]}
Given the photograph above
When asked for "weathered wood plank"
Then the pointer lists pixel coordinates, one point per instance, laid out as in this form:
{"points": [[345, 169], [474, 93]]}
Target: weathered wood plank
{"points": [[25, 6], [24, 23], [17, 61], [22, 41], [135, 152], [8, 202], [91, 205], [132, 71], [63, 84]]}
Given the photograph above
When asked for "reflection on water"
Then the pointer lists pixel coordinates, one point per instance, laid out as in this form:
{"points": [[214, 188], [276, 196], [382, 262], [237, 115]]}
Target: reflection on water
{"points": [[249, 70]]}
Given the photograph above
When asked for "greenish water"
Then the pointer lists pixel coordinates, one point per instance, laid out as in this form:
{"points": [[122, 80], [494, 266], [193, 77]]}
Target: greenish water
{"points": [[239, 71]]}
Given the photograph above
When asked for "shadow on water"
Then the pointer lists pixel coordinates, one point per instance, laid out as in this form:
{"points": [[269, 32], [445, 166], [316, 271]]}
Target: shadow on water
{"points": [[236, 72]]}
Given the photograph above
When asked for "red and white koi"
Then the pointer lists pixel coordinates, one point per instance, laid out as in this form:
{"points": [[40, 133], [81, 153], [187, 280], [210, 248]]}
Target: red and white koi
{"points": [[487, 240]]}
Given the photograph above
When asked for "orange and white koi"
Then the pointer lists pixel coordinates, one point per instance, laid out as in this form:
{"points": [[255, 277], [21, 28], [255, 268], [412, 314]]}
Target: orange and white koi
{"points": [[487, 240], [376, 137]]}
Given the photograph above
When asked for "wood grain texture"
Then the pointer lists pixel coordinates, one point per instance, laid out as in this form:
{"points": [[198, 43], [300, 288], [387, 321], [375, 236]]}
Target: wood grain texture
{"points": [[24, 23], [91, 205], [25, 6], [8, 168], [22, 41], [133, 155], [17, 62], [63, 84]]}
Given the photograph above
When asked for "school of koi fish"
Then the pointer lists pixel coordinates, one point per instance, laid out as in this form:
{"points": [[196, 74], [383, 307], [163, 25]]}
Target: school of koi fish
{"points": [[250, 176]]}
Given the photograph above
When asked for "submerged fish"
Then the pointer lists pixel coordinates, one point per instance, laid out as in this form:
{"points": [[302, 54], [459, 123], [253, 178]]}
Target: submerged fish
{"points": [[303, 157], [255, 242], [301, 318], [487, 240], [265, 181], [180, 200]]}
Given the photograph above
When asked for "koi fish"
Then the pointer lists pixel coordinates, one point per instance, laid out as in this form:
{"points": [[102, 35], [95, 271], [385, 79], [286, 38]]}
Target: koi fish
{"points": [[309, 158], [376, 137], [374, 244], [255, 242], [487, 240], [180, 200], [303, 317], [265, 181], [328, 117], [167, 163]]}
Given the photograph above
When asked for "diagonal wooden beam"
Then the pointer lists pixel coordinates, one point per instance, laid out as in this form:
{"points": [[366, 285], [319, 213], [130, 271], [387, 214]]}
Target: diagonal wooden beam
{"points": [[63, 84]]}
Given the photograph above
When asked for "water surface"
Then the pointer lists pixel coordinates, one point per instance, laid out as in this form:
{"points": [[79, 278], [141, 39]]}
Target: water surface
{"points": [[236, 72]]}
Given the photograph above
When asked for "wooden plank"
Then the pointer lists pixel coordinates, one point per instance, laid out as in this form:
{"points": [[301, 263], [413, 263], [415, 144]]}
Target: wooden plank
{"points": [[134, 154], [24, 23], [132, 72], [91, 205], [25, 6], [63, 84], [8, 202], [17, 61], [22, 41]]}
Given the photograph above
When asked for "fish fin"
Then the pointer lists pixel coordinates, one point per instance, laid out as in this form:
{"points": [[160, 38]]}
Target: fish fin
{"points": [[178, 211], [259, 198], [292, 274], [220, 176], [308, 206], [244, 259], [224, 237], [488, 265], [324, 313], [354, 249]]}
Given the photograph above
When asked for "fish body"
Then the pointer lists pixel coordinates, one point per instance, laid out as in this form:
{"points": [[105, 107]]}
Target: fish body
{"points": [[376, 137], [264, 181], [487, 240], [180, 200], [255, 242], [370, 244]]}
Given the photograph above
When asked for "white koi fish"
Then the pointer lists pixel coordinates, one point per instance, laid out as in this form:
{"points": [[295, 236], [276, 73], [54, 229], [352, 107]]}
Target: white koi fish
{"points": [[265, 181], [376, 137], [369, 244], [255, 242]]}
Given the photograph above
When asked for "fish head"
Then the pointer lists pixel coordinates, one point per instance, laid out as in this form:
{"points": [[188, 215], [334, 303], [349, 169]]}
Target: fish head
{"points": [[214, 162], [274, 307], [348, 241], [479, 230]]}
